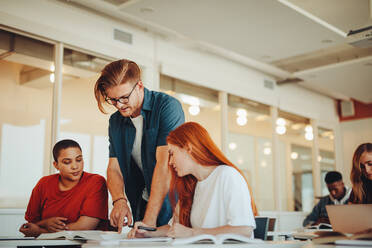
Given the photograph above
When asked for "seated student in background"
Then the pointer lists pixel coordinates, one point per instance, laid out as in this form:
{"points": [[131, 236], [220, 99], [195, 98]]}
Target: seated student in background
{"points": [[69, 200], [361, 175], [213, 195], [338, 194]]}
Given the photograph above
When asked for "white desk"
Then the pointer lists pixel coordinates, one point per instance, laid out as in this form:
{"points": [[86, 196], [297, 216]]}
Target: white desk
{"points": [[66, 243], [267, 244], [43, 243]]}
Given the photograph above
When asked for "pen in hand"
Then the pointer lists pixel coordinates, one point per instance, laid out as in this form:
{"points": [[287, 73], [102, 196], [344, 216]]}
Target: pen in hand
{"points": [[146, 228]]}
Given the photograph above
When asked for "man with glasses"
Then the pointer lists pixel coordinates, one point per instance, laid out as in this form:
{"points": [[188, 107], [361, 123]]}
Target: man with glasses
{"points": [[338, 194], [137, 173]]}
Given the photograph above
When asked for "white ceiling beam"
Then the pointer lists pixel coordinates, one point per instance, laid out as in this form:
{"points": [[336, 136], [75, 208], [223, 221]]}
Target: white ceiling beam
{"points": [[313, 17], [331, 66]]}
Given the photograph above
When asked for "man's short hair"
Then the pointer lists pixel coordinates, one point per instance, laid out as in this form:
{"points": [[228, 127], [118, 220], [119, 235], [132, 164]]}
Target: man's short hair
{"points": [[332, 176], [63, 144]]}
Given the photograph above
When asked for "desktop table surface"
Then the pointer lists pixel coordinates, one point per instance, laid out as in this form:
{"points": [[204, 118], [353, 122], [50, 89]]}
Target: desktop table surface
{"points": [[41, 243], [267, 244], [73, 243]]}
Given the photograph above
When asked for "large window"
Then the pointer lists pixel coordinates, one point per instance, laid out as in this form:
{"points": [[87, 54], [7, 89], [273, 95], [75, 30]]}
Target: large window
{"points": [[80, 118], [295, 142], [199, 104], [326, 155], [25, 122], [250, 147]]}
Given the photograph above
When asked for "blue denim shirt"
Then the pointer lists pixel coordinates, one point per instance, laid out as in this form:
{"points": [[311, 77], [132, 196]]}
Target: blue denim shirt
{"points": [[161, 114]]}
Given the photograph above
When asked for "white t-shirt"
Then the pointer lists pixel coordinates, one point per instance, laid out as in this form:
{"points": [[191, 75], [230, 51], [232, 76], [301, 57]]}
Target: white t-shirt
{"points": [[136, 151], [222, 199]]}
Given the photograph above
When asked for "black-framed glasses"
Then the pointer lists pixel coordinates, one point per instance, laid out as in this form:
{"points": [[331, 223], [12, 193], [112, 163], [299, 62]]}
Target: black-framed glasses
{"points": [[122, 99]]}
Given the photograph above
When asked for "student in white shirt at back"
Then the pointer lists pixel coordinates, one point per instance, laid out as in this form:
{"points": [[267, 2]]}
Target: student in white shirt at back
{"points": [[209, 194]]}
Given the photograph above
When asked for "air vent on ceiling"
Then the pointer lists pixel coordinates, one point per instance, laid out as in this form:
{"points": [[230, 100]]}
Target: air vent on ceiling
{"points": [[269, 84], [347, 108], [123, 36], [117, 2]]}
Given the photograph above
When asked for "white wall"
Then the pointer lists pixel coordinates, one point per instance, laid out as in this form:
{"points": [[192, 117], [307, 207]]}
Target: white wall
{"points": [[11, 220], [354, 133]]}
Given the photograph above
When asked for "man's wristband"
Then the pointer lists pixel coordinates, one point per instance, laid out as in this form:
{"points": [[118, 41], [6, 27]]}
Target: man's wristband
{"points": [[121, 198]]}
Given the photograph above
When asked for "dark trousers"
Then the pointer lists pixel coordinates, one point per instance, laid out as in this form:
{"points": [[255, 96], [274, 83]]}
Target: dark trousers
{"points": [[141, 209]]}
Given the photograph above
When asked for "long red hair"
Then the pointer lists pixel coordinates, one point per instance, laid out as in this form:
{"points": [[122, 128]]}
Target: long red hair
{"points": [[205, 152], [357, 176]]}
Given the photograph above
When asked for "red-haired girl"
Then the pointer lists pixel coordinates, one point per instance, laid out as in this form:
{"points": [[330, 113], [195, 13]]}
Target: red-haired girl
{"points": [[209, 194]]}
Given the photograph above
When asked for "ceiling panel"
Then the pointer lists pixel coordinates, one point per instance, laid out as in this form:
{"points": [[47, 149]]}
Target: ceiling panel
{"points": [[353, 79], [344, 14], [291, 35], [264, 30]]}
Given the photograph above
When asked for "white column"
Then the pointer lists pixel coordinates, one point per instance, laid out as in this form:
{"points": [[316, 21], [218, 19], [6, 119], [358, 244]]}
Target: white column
{"points": [[222, 99], [276, 159], [57, 94], [316, 164], [150, 70], [339, 155], [289, 178]]}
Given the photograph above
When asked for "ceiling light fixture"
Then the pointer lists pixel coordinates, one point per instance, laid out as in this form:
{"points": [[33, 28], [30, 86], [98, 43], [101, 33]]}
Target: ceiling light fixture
{"points": [[241, 112], [194, 110], [294, 155], [232, 146], [241, 120], [280, 122], [267, 150], [51, 77], [309, 136], [280, 130]]}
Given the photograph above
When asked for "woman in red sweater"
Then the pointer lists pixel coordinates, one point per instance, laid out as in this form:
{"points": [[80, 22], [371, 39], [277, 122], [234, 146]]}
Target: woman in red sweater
{"points": [[69, 200]]}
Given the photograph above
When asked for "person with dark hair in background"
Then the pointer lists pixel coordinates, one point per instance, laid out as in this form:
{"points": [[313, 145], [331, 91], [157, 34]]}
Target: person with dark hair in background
{"points": [[69, 200], [137, 172], [338, 194], [361, 175]]}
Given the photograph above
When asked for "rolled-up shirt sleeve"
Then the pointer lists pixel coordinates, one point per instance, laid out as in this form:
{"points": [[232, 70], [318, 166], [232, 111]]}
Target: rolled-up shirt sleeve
{"points": [[171, 116]]}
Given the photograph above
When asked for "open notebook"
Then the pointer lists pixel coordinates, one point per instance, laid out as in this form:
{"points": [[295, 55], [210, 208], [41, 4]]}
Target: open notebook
{"points": [[227, 238], [83, 235]]}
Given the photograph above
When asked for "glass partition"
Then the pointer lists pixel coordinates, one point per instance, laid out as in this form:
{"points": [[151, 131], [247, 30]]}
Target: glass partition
{"points": [[199, 104], [295, 141], [26, 108], [326, 155], [80, 117], [250, 147]]}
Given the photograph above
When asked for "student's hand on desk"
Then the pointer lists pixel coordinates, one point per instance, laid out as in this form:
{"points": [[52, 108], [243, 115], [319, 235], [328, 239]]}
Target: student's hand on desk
{"points": [[118, 214], [138, 233], [30, 230], [55, 224], [178, 230]]}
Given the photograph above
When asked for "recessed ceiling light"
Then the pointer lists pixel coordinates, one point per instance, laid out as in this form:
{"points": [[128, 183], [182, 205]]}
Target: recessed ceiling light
{"points": [[147, 10], [327, 41]]}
